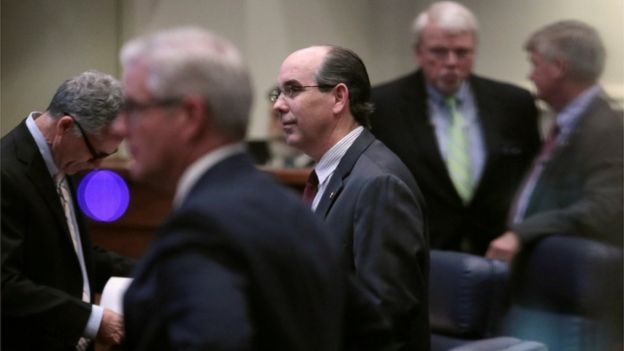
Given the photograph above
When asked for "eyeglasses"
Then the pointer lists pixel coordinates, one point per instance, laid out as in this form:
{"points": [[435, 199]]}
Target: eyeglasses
{"points": [[444, 53], [291, 91], [132, 107], [95, 155]]}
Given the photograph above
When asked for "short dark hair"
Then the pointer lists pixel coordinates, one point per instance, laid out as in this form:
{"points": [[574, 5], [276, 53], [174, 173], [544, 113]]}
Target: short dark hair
{"points": [[342, 65]]}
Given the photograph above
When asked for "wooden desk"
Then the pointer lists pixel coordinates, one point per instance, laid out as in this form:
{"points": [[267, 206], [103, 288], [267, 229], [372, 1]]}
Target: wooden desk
{"points": [[148, 208]]}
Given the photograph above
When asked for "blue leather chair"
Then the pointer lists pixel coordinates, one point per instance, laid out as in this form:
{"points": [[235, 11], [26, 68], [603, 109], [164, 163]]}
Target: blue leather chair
{"points": [[567, 294], [467, 297]]}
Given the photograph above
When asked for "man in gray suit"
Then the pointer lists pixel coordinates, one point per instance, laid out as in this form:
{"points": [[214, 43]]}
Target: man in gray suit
{"points": [[366, 195], [575, 186]]}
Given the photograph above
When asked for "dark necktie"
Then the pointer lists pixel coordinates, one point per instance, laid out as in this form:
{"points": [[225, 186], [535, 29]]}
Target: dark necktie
{"points": [[549, 144], [311, 187], [521, 201]]}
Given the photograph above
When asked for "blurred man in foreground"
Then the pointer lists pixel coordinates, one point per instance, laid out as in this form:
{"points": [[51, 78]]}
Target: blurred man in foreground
{"points": [[240, 264]]}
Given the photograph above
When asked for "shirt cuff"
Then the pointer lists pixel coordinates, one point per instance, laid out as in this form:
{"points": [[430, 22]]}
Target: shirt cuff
{"points": [[93, 324]]}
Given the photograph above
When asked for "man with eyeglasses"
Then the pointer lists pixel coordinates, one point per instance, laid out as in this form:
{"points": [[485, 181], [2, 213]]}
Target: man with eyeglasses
{"points": [[364, 194], [50, 270], [468, 140], [240, 263]]}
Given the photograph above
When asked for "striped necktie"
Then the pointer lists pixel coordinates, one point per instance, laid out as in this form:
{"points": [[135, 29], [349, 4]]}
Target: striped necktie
{"points": [[458, 156], [65, 196]]}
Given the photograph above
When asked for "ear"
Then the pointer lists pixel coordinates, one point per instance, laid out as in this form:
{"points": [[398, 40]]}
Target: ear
{"points": [[341, 98], [417, 49], [63, 125], [560, 67], [195, 118]]}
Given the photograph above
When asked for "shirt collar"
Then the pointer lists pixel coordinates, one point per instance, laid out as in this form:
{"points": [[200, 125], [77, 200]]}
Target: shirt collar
{"points": [[437, 98], [42, 143], [330, 160], [193, 172], [567, 118]]}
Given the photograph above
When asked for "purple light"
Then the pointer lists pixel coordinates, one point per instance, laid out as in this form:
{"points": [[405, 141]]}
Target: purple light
{"points": [[103, 195]]}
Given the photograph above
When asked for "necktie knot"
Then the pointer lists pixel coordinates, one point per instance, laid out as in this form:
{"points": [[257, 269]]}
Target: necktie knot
{"points": [[311, 188], [554, 132], [451, 102], [58, 178], [456, 117]]}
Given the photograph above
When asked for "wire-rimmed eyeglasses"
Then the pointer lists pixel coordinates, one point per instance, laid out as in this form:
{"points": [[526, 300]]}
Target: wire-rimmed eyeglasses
{"points": [[291, 91]]}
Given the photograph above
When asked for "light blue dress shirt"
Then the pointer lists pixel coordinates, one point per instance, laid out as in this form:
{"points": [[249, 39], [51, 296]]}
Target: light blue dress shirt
{"points": [[441, 119]]}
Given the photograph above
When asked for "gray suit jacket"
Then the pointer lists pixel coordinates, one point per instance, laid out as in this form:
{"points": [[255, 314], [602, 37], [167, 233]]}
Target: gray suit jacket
{"points": [[375, 210], [580, 189]]}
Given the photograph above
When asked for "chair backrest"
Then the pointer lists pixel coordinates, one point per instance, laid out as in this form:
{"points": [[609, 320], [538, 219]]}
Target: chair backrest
{"points": [[466, 296], [567, 293]]}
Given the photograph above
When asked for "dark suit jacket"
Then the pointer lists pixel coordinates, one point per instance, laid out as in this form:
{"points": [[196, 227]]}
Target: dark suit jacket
{"points": [[580, 189], [374, 209], [509, 124], [241, 265], [42, 306]]}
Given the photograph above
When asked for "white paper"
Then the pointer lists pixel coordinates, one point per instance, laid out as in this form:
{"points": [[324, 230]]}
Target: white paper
{"points": [[114, 290]]}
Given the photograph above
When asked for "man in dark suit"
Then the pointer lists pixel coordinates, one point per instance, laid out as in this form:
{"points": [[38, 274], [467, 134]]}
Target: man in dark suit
{"points": [[468, 159], [240, 264], [50, 271], [575, 185], [366, 196]]}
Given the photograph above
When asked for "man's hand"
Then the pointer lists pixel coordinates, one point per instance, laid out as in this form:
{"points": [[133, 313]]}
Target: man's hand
{"points": [[504, 248], [111, 329]]}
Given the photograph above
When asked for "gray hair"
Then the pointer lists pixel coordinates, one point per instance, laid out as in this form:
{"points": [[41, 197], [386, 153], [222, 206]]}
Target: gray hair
{"points": [[450, 16], [575, 42], [342, 65], [191, 61], [93, 98]]}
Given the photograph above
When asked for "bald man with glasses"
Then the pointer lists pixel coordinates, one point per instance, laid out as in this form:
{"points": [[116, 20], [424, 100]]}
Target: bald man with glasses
{"points": [[50, 270], [363, 193]]}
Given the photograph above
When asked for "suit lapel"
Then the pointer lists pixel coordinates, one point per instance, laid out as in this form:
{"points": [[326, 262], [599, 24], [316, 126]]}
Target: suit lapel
{"points": [[563, 155], [37, 173], [487, 114], [426, 142], [344, 168], [39, 177], [416, 105], [487, 118]]}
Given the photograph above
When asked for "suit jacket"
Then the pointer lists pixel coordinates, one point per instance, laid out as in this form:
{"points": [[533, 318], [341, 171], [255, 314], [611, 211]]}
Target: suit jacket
{"points": [[241, 265], [580, 189], [508, 118], [376, 214], [42, 307]]}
